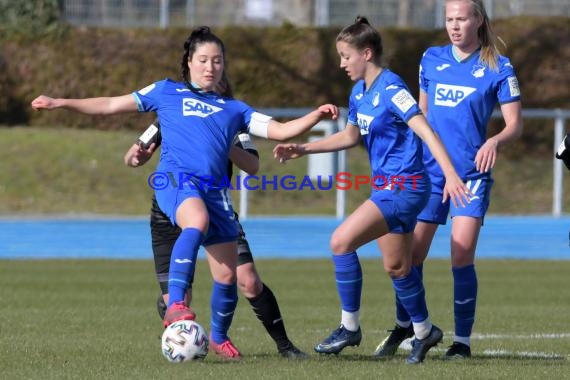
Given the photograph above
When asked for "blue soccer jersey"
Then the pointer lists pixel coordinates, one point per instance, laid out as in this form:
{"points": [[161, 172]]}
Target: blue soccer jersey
{"points": [[381, 112], [461, 98], [198, 129]]}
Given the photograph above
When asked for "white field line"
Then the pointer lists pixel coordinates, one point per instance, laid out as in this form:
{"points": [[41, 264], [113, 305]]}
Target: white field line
{"points": [[528, 336], [492, 353], [525, 354], [406, 345]]}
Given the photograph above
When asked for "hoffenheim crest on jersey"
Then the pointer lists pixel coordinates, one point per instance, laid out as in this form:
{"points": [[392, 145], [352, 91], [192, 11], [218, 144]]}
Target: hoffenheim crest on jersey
{"points": [[195, 107], [376, 99], [478, 71]]}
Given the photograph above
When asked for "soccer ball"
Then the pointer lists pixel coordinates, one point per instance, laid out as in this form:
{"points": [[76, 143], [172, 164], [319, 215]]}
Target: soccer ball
{"points": [[183, 341]]}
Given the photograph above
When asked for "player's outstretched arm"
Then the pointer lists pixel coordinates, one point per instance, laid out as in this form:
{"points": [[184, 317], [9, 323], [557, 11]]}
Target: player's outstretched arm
{"points": [[454, 186], [344, 139], [285, 131], [90, 106]]}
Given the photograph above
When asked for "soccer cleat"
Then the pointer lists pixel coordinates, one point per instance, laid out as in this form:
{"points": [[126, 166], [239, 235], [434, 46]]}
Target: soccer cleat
{"points": [[178, 311], [422, 346], [292, 352], [339, 339], [390, 344], [226, 350], [458, 351]]}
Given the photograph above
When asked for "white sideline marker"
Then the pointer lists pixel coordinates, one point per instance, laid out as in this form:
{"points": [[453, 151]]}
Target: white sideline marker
{"points": [[525, 354], [406, 345]]}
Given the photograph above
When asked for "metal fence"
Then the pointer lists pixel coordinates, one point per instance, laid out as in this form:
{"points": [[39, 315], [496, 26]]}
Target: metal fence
{"points": [[181, 13], [559, 116]]}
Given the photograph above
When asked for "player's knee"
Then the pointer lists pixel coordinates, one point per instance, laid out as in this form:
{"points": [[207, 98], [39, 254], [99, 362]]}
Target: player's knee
{"points": [[339, 244], [462, 256], [223, 275], [396, 269], [249, 284], [461, 261]]}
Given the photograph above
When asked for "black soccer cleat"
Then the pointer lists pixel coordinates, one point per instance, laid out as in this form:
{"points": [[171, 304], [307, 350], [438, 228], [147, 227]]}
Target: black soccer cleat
{"points": [[292, 352], [338, 340], [422, 346], [457, 351], [390, 344]]}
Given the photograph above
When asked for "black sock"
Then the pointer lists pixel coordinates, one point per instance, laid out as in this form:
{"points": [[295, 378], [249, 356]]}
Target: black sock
{"points": [[161, 306], [267, 311]]}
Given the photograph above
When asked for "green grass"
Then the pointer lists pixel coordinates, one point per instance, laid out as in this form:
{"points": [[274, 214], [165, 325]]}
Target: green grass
{"points": [[94, 319], [70, 171]]}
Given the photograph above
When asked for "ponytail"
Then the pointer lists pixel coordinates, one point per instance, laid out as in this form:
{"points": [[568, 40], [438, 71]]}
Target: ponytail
{"points": [[362, 35], [487, 38]]}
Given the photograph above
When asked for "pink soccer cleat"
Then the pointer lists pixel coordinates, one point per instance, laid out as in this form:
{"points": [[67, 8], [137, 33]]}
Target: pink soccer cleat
{"points": [[178, 311], [226, 350]]}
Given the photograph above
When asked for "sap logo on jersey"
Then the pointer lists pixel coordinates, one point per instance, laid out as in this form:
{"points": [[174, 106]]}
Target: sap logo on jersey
{"points": [[193, 107], [449, 96]]}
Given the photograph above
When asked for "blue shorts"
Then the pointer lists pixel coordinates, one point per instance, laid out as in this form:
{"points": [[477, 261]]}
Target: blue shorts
{"points": [[223, 225], [401, 207], [436, 211]]}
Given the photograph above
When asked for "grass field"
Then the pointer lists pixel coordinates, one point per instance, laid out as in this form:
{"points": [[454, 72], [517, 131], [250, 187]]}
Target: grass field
{"points": [[93, 319]]}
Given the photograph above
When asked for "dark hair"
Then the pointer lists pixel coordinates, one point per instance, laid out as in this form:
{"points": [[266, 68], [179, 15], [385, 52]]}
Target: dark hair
{"points": [[362, 35], [201, 35]]}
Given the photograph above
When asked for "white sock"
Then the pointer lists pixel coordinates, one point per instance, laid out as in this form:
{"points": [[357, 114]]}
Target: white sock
{"points": [[463, 339], [350, 320], [422, 329]]}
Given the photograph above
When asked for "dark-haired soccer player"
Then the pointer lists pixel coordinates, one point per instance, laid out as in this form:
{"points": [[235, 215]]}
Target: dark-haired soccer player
{"points": [[164, 235]]}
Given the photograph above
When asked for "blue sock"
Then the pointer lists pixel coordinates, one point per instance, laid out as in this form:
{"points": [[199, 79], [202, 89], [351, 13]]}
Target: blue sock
{"points": [[410, 291], [348, 275], [464, 299], [401, 313], [223, 304], [183, 263]]}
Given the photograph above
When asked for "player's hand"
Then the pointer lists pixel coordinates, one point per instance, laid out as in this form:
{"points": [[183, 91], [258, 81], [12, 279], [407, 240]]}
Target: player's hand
{"points": [[142, 155], [486, 156], [43, 102], [284, 152], [328, 111], [457, 191], [138, 155]]}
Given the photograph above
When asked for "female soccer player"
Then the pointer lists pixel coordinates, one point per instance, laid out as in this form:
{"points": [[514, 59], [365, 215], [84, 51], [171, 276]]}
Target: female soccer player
{"points": [[198, 127], [460, 84], [383, 112], [164, 235]]}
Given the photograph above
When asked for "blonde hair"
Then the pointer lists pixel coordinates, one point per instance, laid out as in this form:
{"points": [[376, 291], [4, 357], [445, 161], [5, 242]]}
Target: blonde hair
{"points": [[489, 40]]}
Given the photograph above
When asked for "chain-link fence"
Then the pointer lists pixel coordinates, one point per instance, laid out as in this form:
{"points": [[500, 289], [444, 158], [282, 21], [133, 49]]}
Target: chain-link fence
{"points": [[404, 13]]}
